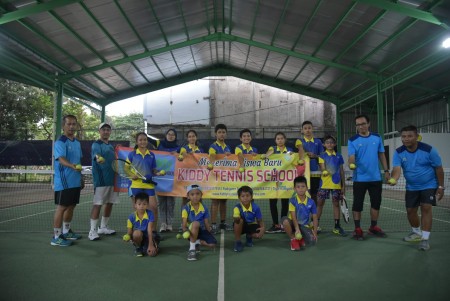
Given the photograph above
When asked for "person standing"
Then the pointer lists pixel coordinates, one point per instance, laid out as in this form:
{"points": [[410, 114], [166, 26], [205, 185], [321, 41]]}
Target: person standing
{"points": [[67, 182], [103, 155], [422, 168], [365, 149]]}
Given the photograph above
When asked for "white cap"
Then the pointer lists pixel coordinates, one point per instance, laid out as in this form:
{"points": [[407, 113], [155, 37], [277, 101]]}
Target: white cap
{"points": [[192, 187], [103, 124]]}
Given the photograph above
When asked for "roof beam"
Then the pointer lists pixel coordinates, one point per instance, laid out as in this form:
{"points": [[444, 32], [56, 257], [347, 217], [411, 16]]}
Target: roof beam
{"points": [[34, 9], [405, 10]]}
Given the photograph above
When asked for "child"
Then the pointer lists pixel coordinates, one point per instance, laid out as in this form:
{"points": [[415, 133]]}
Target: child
{"points": [[313, 148], [247, 219], [166, 204], [140, 225], [244, 148], [332, 180], [195, 222], [280, 148], [300, 208], [218, 147]]}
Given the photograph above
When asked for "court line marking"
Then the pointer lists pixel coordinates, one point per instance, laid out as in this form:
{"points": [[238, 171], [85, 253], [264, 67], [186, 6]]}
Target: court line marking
{"points": [[221, 280]]}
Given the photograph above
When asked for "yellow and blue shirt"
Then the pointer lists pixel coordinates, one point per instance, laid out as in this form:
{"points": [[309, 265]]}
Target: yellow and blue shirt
{"points": [[188, 149], [241, 149], [193, 215], [135, 223], [66, 177], [278, 150], [219, 148], [302, 209], [314, 146], [333, 163], [144, 163], [250, 215]]}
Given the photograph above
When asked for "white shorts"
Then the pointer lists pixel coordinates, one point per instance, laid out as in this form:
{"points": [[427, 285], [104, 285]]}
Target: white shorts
{"points": [[105, 194]]}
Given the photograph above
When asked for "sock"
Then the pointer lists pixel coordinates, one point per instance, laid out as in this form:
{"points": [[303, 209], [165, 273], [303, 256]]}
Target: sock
{"points": [[104, 222], [357, 223], [425, 235], [94, 224], [191, 246], [373, 223], [197, 242], [417, 230], [337, 223], [66, 226], [57, 232]]}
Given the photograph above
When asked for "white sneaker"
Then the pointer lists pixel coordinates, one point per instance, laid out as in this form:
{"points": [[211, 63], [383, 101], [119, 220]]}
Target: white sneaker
{"points": [[169, 228], [93, 235], [163, 227], [106, 231]]}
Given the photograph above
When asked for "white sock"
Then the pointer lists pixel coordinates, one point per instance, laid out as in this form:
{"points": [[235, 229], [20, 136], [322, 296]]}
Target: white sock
{"points": [[104, 222], [417, 230], [191, 246], [425, 235], [66, 227], [56, 232], [94, 224]]}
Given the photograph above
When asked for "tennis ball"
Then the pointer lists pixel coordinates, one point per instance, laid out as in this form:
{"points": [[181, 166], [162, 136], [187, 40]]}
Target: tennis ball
{"points": [[180, 158], [301, 162], [162, 172], [186, 234], [241, 169], [419, 137], [78, 167], [392, 181], [126, 237], [209, 166], [100, 159], [325, 173], [298, 236], [179, 236], [352, 166]]}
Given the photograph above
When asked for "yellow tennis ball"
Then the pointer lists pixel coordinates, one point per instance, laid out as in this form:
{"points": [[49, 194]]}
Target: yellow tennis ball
{"points": [[78, 167], [325, 173], [180, 158], [352, 166], [126, 237], [162, 172], [209, 166], [301, 162], [179, 236], [298, 236], [241, 169], [100, 159], [186, 234], [419, 137], [392, 181]]}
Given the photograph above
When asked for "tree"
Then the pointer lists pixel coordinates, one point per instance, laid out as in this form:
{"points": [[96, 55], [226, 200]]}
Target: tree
{"points": [[125, 127]]}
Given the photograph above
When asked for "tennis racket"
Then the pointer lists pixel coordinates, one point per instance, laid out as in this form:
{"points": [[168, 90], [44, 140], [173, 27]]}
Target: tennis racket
{"points": [[127, 170], [344, 210]]}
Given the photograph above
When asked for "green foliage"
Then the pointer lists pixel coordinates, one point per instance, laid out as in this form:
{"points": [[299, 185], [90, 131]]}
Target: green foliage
{"points": [[125, 127]]}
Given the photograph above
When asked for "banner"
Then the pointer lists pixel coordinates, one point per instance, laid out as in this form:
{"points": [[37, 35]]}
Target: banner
{"points": [[269, 178]]}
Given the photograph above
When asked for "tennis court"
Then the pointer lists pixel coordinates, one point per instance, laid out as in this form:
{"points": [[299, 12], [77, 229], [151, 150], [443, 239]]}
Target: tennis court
{"points": [[337, 268]]}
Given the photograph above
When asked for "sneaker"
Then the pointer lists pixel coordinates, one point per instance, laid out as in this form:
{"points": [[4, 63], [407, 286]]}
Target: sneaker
{"points": [[213, 228], [197, 248], [138, 252], [60, 241], [169, 228], [192, 255], [358, 234], [249, 241], [375, 230], [238, 247], [180, 229], [225, 226], [339, 231], [71, 235], [295, 244], [413, 237], [163, 227], [106, 231], [319, 230], [93, 235], [274, 229], [302, 243], [424, 245]]}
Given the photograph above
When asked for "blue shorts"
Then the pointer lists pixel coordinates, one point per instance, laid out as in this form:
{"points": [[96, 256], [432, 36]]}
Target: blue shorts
{"points": [[207, 237], [150, 192]]}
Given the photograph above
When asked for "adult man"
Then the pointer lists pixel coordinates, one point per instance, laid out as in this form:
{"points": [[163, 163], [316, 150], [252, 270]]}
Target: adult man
{"points": [[365, 149], [102, 154], [67, 182], [422, 168]]}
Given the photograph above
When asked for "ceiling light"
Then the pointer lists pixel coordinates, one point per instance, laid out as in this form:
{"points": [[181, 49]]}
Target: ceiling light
{"points": [[446, 43]]}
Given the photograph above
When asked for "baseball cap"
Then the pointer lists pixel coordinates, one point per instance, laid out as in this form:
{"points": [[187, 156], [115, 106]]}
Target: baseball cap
{"points": [[104, 124], [192, 187]]}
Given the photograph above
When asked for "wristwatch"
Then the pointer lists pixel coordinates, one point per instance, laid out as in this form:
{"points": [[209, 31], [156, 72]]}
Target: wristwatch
{"points": [[441, 187], [386, 170]]}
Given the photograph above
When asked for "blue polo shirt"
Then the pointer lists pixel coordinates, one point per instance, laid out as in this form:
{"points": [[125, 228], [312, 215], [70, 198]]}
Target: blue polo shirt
{"points": [[135, 223], [333, 162], [366, 150], [418, 166], [302, 210], [144, 163], [314, 146], [240, 149], [218, 148], [250, 215], [102, 174], [66, 177], [277, 150], [193, 215], [188, 149]]}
